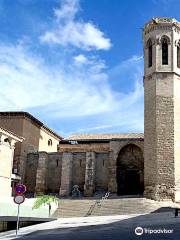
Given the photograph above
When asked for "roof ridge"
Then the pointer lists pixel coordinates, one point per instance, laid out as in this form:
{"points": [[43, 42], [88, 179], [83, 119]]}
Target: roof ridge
{"points": [[91, 136], [12, 133], [30, 116]]}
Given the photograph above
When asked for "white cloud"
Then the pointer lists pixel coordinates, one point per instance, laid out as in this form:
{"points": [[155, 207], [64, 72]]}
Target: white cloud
{"points": [[75, 87], [27, 83], [68, 10], [81, 59], [69, 31], [128, 115]]}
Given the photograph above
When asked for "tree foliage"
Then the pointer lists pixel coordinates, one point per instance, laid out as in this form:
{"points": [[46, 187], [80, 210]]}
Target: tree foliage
{"points": [[44, 200]]}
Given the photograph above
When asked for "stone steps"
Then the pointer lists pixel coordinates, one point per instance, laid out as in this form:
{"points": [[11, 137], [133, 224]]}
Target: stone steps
{"points": [[121, 206]]}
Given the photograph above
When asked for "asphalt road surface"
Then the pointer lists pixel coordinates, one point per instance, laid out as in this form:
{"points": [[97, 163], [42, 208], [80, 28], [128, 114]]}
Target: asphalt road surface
{"points": [[159, 226]]}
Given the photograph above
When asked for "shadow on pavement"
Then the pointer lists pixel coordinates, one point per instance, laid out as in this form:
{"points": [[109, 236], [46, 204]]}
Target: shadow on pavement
{"points": [[160, 220]]}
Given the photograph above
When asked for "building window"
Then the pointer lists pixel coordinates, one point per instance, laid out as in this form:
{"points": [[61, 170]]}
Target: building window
{"points": [[7, 141], [164, 42], [178, 56], [80, 163], [49, 142], [149, 45], [57, 163]]}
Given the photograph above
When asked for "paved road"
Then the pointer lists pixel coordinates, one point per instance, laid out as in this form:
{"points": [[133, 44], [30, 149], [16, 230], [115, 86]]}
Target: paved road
{"points": [[120, 230]]}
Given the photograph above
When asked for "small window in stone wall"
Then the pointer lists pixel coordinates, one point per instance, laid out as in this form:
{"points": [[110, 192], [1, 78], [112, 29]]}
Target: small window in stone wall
{"points": [[80, 163], [57, 162], [50, 142], [103, 162]]}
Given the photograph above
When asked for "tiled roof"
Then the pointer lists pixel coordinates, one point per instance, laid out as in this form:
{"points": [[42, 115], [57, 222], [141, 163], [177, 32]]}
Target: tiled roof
{"points": [[108, 136]]}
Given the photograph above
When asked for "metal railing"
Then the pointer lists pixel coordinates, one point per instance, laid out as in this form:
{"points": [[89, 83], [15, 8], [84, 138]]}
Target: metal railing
{"points": [[97, 203]]}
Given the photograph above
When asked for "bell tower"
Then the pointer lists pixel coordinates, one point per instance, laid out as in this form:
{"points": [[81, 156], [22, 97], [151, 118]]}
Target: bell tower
{"points": [[161, 37]]}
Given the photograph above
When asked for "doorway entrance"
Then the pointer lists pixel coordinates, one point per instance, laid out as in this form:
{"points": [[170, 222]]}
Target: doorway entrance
{"points": [[130, 171], [128, 182]]}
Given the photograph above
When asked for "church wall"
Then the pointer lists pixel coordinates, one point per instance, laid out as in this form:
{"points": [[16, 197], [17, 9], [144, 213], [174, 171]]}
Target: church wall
{"points": [[44, 171], [78, 169], [31, 171], [88, 147], [54, 172], [101, 175], [52, 175]]}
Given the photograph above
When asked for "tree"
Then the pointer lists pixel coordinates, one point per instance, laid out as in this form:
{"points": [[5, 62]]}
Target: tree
{"points": [[45, 200]]}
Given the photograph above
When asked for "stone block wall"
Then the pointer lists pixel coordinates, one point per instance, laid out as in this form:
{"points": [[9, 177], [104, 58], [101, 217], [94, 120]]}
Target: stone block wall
{"points": [[41, 174], [31, 171], [159, 136], [101, 177], [91, 170], [150, 164], [54, 172], [177, 137], [78, 169], [66, 177], [89, 186]]}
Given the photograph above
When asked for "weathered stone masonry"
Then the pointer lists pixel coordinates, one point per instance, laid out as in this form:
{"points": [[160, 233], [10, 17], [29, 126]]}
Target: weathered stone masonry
{"points": [[91, 166], [162, 109]]}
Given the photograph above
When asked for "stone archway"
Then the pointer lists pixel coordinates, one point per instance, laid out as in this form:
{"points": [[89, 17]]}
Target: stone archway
{"points": [[130, 170]]}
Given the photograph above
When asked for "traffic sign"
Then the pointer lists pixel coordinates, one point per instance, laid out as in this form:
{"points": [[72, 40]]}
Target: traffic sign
{"points": [[20, 189], [19, 199]]}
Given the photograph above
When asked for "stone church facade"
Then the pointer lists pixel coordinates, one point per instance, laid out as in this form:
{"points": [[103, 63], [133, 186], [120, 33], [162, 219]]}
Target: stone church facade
{"points": [[96, 163], [124, 164]]}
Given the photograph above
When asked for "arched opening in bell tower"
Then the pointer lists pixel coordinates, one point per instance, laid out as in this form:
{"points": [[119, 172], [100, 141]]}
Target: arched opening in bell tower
{"points": [[164, 42], [178, 56], [149, 45]]}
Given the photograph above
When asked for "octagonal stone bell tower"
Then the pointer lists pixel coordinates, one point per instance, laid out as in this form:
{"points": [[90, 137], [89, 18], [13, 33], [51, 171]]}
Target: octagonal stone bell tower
{"points": [[161, 37]]}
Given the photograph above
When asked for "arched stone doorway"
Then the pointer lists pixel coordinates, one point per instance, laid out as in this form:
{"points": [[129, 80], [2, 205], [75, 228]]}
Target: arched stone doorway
{"points": [[130, 170]]}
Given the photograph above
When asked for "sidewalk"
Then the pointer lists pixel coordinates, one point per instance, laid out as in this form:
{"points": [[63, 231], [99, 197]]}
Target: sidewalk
{"points": [[65, 223], [68, 223]]}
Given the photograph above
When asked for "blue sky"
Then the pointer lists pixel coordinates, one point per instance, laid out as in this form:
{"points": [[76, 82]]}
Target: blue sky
{"points": [[77, 65]]}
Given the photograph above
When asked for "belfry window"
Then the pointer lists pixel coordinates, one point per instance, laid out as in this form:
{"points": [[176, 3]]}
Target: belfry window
{"points": [[178, 56], [164, 51], [149, 44]]}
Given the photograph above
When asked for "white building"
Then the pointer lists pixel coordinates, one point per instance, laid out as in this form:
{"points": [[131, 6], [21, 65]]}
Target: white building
{"points": [[7, 146]]}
